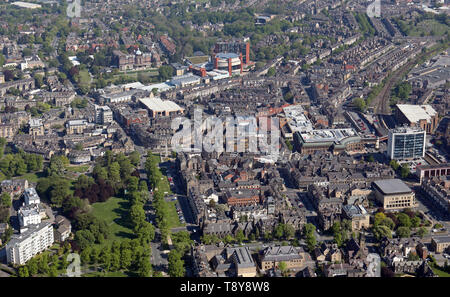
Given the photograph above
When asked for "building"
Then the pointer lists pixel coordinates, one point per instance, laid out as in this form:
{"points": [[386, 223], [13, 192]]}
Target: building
{"points": [[241, 46], [358, 215], [429, 171], [159, 108], [29, 215], [103, 115], [14, 187], [335, 140], [271, 257], [241, 197], [438, 190], [138, 60], [31, 241], [31, 197], [36, 128], [76, 126], [2, 77], [394, 194], [423, 116], [63, 228], [243, 262], [406, 143], [230, 62], [440, 243]]}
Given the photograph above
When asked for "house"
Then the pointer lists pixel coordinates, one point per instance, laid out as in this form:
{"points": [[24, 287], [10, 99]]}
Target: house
{"points": [[14, 187], [271, 257], [244, 264], [31, 197], [63, 228]]}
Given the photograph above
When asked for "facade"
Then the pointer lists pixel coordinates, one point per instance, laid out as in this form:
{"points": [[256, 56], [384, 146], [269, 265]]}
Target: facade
{"points": [[230, 62], [430, 171], [29, 215], [235, 46], [159, 108], [36, 128], [394, 194], [422, 116], [103, 115], [241, 197], [272, 256], [438, 190], [138, 60], [440, 243], [243, 261], [30, 242], [76, 126], [358, 215], [31, 197], [406, 143]]}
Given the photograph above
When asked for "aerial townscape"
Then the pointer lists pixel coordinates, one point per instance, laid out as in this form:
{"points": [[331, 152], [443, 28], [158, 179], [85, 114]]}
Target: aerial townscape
{"points": [[225, 138]]}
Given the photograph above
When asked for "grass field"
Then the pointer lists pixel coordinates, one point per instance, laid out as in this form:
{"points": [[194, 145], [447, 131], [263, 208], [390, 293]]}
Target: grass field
{"points": [[114, 212], [31, 177], [173, 219], [441, 273], [80, 168], [427, 28]]}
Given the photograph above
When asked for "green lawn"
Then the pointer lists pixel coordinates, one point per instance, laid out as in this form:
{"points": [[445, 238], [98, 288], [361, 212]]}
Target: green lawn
{"points": [[427, 28], [107, 274], [31, 177], [441, 273], [114, 212], [80, 168], [173, 219]]}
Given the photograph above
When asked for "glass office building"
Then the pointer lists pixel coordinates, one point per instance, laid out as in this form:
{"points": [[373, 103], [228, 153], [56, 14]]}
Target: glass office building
{"points": [[406, 143]]}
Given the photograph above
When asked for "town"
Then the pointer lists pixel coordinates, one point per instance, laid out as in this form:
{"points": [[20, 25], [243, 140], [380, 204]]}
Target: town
{"points": [[322, 149]]}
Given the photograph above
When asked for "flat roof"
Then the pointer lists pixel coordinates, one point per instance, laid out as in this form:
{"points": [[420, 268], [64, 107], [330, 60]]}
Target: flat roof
{"points": [[156, 104], [227, 55], [392, 186], [328, 135], [26, 4], [441, 239], [415, 113]]}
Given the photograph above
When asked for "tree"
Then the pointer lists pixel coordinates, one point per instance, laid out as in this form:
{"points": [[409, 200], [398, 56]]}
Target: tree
{"points": [[394, 164], [388, 222], [176, 265], [415, 222], [381, 231], [271, 71], [240, 237], [23, 271], [403, 232], [404, 170], [144, 267], [379, 217], [283, 267], [5, 199], [165, 72], [85, 255], [404, 220], [360, 104]]}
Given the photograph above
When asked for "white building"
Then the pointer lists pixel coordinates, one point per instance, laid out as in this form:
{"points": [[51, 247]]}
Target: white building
{"points": [[31, 241], [103, 115], [406, 143], [29, 215], [31, 197]]}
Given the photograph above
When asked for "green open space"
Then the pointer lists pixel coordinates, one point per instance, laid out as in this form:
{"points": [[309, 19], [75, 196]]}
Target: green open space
{"points": [[114, 212]]}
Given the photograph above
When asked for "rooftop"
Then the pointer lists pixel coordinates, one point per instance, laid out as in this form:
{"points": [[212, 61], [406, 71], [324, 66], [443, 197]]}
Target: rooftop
{"points": [[328, 135], [156, 104], [392, 186], [415, 113]]}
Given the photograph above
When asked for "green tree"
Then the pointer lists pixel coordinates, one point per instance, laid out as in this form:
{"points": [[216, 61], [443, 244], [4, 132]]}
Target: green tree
{"points": [[176, 265], [23, 271], [5, 199], [403, 232], [271, 71], [283, 267], [240, 237], [404, 170], [381, 231], [404, 220], [422, 232]]}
